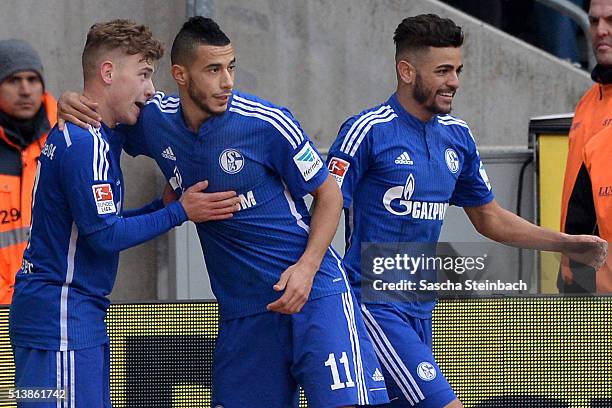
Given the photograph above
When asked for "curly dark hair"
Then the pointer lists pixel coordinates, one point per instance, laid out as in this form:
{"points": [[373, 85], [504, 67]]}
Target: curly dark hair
{"points": [[426, 30]]}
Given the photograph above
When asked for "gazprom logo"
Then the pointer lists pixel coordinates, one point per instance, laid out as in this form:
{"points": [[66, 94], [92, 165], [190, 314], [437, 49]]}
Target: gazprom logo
{"points": [[176, 182], [398, 201]]}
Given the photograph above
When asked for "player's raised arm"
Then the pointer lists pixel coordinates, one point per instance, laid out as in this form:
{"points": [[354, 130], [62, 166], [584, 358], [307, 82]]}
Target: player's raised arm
{"points": [[79, 110], [193, 205], [499, 224]]}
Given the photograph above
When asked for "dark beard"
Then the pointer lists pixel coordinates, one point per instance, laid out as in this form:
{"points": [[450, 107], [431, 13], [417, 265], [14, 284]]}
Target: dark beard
{"points": [[420, 95], [198, 99]]}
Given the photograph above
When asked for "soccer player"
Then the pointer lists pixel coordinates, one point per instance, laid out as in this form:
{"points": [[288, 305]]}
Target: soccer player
{"points": [[57, 318], [288, 316], [399, 165]]}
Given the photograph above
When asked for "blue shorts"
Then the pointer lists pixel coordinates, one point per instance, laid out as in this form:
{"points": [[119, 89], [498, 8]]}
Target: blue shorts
{"points": [[403, 346], [261, 360], [82, 374]]}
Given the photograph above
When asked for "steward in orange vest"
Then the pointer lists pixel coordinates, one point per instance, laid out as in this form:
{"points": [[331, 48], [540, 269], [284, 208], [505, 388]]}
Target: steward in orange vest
{"points": [[585, 205], [26, 116]]}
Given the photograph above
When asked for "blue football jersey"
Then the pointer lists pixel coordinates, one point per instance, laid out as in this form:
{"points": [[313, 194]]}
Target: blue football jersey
{"points": [[398, 176], [260, 151], [60, 292]]}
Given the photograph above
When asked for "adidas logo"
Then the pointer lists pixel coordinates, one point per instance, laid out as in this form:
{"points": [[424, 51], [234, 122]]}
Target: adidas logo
{"points": [[404, 158], [377, 376], [168, 154]]}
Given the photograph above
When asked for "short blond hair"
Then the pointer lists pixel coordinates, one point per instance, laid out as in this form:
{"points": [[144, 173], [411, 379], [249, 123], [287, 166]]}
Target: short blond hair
{"points": [[125, 35]]}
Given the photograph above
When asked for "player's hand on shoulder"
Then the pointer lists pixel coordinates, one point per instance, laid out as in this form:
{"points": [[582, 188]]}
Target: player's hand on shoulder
{"points": [[77, 109], [296, 281], [201, 206], [587, 249]]}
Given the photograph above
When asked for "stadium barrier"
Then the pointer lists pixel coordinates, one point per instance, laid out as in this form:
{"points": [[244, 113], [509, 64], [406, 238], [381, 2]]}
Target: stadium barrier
{"points": [[496, 352]]}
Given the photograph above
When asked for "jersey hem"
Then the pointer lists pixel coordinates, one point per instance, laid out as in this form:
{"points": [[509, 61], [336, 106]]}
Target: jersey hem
{"points": [[403, 308], [260, 310], [477, 203], [41, 346]]}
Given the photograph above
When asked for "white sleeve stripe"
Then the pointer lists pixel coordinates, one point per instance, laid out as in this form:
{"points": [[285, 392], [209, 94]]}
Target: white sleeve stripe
{"points": [[67, 136], [452, 118], [171, 98], [453, 122], [294, 211], [297, 136], [358, 122], [254, 104], [74, 235], [164, 103], [101, 160], [164, 99], [349, 312], [58, 375], [72, 381], [162, 96], [106, 162], [474, 140], [171, 109], [349, 139], [269, 120], [95, 157], [366, 129], [65, 373], [458, 122], [388, 356], [274, 112], [101, 148]]}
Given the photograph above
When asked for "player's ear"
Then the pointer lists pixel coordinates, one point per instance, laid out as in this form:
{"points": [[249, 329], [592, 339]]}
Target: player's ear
{"points": [[406, 71], [106, 72], [180, 75]]}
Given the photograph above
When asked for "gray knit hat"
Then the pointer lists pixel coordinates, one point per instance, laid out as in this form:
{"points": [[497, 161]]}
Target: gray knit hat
{"points": [[16, 56]]}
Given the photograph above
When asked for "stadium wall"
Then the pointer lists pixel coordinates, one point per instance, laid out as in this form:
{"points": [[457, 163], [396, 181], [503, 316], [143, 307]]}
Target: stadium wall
{"points": [[325, 59], [57, 29]]}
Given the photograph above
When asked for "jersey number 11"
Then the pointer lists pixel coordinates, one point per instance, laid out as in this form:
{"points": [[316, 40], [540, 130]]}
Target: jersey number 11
{"points": [[331, 363]]}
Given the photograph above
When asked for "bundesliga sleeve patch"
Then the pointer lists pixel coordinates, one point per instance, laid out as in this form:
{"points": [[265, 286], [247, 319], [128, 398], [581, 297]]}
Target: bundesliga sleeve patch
{"points": [[308, 161], [338, 168], [103, 195]]}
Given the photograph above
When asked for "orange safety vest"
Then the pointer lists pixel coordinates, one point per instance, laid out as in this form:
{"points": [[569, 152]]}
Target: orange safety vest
{"points": [[597, 159], [593, 115], [16, 206]]}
